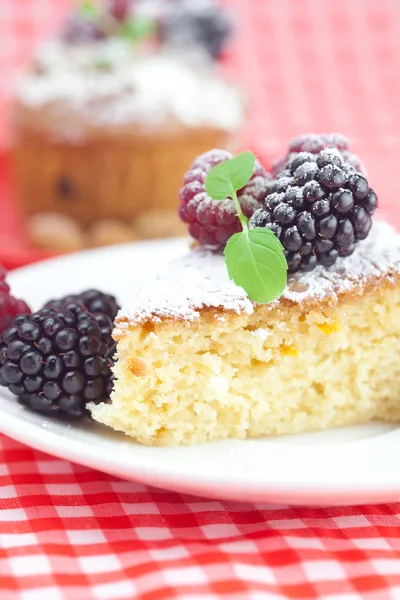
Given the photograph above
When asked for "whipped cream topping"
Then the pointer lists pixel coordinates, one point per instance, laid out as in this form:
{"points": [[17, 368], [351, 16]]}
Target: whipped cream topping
{"points": [[199, 279], [107, 83]]}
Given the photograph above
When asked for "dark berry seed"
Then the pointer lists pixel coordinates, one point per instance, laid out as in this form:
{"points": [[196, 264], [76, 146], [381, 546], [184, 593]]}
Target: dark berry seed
{"points": [[29, 331], [293, 260], [93, 366], [306, 248], [294, 197], [312, 191], [260, 218], [361, 219], [345, 233], [53, 367], [50, 326], [89, 346], [71, 359], [284, 214], [73, 382], [272, 201], [17, 390], [51, 390], [342, 201], [9, 335], [323, 246], [11, 373], [309, 262], [344, 252], [94, 389], [306, 225], [321, 208], [33, 384], [292, 239], [306, 172], [44, 345], [40, 403], [327, 227], [31, 363], [275, 228], [371, 202], [359, 186], [363, 232], [331, 177], [16, 349], [66, 339], [328, 258], [327, 157], [300, 159], [88, 328], [72, 406]]}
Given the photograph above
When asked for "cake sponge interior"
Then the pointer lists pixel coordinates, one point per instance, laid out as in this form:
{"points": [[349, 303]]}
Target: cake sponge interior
{"points": [[282, 371]]}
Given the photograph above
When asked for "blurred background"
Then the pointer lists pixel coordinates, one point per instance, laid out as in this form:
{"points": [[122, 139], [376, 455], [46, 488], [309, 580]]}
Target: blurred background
{"points": [[300, 65]]}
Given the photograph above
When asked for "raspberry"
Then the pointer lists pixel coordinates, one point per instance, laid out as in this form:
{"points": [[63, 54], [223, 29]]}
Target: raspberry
{"points": [[319, 207], [315, 143], [213, 222], [10, 307], [55, 361]]}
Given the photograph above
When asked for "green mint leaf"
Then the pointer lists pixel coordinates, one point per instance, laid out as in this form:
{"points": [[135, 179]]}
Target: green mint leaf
{"points": [[255, 261], [138, 28], [89, 10], [227, 177]]}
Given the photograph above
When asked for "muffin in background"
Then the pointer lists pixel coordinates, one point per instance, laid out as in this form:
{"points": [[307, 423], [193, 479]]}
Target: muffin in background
{"points": [[105, 126]]}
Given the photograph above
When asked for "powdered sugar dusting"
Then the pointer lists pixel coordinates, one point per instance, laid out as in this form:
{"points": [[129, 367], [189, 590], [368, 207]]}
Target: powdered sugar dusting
{"points": [[199, 279], [107, 83]]}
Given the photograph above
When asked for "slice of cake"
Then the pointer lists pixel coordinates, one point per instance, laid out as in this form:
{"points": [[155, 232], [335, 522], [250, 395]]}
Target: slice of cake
{"points": [[198, 360]]}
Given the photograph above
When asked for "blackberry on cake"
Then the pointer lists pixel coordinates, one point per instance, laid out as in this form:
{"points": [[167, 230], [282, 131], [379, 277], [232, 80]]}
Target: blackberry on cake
{"points": [[212, 222], [319, 207], [55, 361], [314, 143]]}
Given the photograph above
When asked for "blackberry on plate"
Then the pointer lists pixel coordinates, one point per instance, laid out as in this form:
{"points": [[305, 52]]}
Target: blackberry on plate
{"points": [[213, 222], [10, 307], [55, 361], [93, 300], [315, 143], [103, 307], [319, 207], [78, 30]]}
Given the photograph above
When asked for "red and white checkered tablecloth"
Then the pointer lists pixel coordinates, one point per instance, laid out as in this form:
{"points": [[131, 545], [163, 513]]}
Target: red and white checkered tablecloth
{"points": [[70, 533]]}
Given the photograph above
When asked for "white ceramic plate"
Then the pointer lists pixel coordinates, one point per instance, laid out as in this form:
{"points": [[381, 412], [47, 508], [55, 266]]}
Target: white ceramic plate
{"points": [[344, 466]]}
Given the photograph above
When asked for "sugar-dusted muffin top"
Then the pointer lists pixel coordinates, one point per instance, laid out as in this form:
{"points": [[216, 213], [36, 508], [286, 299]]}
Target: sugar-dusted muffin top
{"points": [[106, 83], [199, 280]]}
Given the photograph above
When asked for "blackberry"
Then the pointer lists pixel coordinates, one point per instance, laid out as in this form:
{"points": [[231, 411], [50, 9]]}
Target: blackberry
{"points": [[56, 361], [315, 143], [93, 300], [319, 207], [203, 25], [103, 307], [78, 30]]}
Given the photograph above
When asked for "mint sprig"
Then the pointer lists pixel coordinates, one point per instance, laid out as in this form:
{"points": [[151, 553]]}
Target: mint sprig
{"points": [[138, 28], [254, 258]]}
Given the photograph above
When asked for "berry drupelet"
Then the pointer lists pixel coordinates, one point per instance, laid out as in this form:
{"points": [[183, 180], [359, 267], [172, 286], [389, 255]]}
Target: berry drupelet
{"points": [[55, 361], [314, 143], [10, 307], [319, 207], [213, 222]]}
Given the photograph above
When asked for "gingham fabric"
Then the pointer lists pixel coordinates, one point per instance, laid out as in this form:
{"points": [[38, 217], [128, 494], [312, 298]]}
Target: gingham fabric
{"points": [[70, 533]]}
